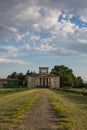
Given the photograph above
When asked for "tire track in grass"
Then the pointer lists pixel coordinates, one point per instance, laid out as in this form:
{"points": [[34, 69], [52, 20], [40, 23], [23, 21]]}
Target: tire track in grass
{"points": [[40, 117]]}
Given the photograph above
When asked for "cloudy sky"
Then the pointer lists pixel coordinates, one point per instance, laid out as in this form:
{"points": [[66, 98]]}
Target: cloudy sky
{"points": [[37, 33]]}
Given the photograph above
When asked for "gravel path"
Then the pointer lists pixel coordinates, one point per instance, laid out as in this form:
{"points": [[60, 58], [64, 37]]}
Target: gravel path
{"points": [[40, 117]]}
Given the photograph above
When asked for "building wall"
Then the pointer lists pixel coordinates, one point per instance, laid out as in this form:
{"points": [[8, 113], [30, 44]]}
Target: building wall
{"points": [[55, 82], [43, 70], [39, 81], [31, 82]]}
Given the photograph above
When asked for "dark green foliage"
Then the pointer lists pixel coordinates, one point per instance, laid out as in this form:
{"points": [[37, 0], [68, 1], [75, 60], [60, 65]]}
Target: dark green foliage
{"points": [[14, 83], [78, 82], [23, 79], [17, 76], [67, 78], [85, 85], [30, 72], [66, 75], [13, 75]]}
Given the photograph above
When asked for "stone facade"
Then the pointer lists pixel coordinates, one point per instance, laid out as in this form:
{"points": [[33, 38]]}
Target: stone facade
{"points": [[44, 79]]}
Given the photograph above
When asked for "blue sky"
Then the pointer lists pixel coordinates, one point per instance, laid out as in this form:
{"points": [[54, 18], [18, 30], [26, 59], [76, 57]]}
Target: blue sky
{"points": [[37, 33]]}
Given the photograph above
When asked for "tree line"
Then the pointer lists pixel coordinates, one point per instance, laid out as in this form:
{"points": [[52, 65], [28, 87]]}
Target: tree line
{"points": [[67, 77]]}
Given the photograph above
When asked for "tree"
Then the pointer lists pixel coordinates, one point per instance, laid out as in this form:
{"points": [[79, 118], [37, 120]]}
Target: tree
{"points": [[78, 82], [66, 75], [13, 75], [30, 72], [18, 76]]}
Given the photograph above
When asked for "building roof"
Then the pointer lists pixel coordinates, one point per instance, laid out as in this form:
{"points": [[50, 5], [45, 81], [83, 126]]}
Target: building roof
{"points": [[43, 75]]}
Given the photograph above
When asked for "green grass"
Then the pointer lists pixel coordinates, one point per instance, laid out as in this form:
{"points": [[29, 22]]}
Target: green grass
{"points": [[71, 109], [14, 105], [75, 90], [78, 89], [6, 91]]}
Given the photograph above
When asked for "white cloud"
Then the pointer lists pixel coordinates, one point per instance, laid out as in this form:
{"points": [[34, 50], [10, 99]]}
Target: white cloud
{"points": [[83, 15], [12, 61], [45, 48], [9, 33], [9, 48], [67, 27], [35, 38], [83, 18], [10, 51], [38, 21], [8, 28], [26, 47], [83, 41]]}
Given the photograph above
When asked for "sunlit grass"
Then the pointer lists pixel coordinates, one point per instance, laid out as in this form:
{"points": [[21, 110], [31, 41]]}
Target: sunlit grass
{"points": [[72, 107], [6, 91], [82, 91], [14, 105]]}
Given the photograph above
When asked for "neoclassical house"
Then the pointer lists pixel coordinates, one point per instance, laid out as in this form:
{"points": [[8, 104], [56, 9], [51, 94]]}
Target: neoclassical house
{"points": [[44, 79]]}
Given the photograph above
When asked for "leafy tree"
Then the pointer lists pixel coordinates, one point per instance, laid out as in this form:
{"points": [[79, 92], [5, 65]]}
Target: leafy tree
{"points": [[66, 75], [30, 72], [78, 82], [18, 76], [13, 75]]}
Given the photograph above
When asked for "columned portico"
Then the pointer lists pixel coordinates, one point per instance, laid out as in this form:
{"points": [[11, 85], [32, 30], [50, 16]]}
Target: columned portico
{"points": [[44, 79]]}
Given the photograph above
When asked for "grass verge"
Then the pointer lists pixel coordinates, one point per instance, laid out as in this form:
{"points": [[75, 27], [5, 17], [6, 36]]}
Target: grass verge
{"points": [[71, 109], [6, 91], [73, 90], [63, 118], [13, 106]]}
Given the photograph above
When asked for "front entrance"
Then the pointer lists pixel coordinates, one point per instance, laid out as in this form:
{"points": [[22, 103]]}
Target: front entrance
{"points": [[44, 82]]}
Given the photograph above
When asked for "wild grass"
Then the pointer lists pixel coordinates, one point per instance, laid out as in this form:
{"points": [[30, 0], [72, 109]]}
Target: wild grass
{"points": [[13, 106], [71, 109]]}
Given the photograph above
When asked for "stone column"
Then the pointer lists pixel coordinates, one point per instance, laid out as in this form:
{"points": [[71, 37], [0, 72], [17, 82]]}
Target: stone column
{"points": [[41, 81], [48, 82], [45, 82]]}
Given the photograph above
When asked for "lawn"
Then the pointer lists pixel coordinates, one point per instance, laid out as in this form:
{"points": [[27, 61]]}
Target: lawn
{"points": [[79, 89], [82, 91], [14, 105], [71, 108], [6, 91]]}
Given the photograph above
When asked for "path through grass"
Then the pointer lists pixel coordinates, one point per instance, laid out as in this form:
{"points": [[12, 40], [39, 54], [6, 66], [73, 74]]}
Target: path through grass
{"points": [[12, 106], [71, 108]]}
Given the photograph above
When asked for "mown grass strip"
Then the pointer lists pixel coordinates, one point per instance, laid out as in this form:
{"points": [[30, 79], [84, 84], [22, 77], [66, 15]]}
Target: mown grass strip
{"points": [[6, 91], [64, 121], [77, 91], [73, 107], [15, 105]]}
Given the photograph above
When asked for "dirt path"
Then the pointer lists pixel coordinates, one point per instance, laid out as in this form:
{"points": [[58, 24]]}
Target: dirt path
{"points": [[40, 117]]}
